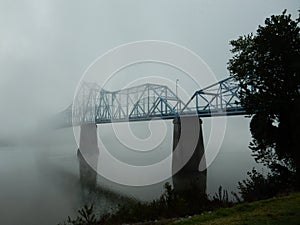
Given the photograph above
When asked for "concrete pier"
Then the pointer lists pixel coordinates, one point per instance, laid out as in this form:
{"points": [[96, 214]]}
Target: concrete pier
{"points": [[187, 147], [188, 142], [88, 151]]}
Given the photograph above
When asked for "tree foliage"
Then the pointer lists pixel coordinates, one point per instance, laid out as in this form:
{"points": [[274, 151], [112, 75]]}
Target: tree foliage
{"points": [[257, 186], [267, 65]]}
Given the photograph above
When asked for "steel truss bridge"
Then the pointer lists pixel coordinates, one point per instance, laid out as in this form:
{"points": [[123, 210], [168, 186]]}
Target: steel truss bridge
{"points": [[94, 104]]}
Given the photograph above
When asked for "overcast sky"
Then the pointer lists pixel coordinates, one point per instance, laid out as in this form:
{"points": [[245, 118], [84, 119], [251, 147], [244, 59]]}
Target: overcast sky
{"points": [[45, 46]]}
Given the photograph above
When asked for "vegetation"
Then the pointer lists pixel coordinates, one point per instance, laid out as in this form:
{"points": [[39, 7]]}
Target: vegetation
{"points": [[257, 186], [267, 65], [171, 204], [86, 217], [282, 210]]}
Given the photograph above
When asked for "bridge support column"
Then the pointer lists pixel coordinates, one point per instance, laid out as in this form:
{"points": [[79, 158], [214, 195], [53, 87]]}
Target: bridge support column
{"points": [[88, 150], [187, 141]]}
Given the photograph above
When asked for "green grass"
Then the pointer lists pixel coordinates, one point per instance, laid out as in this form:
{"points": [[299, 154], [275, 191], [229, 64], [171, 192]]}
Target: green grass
{"points": [[281, 210]]}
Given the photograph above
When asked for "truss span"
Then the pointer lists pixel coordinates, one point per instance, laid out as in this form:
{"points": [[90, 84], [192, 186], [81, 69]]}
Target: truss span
{"points": [[94, 104]]}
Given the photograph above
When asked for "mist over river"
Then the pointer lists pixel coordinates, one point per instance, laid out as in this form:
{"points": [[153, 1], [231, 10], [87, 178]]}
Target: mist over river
{"points": [[40, 179]]}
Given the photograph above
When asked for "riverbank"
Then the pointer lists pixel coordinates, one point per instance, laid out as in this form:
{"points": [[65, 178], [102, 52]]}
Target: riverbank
{"points": [[279, 210]]}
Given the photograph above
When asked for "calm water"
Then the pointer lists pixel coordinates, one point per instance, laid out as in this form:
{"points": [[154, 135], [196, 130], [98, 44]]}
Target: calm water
{"points": [[39, 182]]}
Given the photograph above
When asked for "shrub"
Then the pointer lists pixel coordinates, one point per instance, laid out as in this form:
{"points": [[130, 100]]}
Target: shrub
{"points": [[258, 186], [86, 217]]}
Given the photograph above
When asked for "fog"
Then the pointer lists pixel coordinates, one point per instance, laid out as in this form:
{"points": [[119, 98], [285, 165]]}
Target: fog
{"points": [[45, 48]]}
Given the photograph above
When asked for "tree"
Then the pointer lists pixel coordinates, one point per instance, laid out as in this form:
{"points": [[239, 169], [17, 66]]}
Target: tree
{"points": [[267, 66]]}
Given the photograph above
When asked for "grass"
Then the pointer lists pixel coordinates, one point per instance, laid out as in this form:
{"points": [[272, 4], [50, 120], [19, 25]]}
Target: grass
{"points": [[281, 210]]}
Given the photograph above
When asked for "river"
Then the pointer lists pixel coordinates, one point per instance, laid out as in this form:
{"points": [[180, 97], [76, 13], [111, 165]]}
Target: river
{"points": [[40, 179]]}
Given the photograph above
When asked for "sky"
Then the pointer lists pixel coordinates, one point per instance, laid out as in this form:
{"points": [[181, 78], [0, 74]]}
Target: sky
{"points": [[45, 46]]}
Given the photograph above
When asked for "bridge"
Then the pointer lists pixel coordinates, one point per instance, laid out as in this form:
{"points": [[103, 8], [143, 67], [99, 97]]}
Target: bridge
{"points": [[95, 105]]}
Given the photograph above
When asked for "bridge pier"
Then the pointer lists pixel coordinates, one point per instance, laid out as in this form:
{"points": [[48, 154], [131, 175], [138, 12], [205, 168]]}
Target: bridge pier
{"points": [[88, 151], [188, 141]]}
